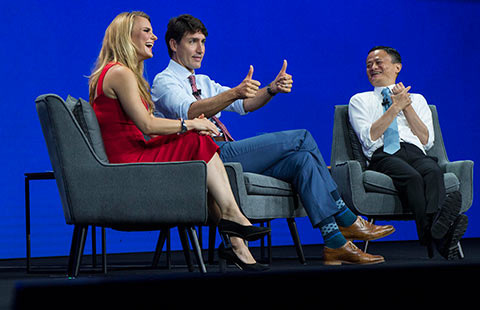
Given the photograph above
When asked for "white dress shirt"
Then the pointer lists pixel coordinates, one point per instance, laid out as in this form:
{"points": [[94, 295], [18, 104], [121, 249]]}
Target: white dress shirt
{"points": [[172, 92], [365, 108]]}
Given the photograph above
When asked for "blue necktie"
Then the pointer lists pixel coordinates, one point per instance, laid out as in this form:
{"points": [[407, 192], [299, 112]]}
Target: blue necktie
{"points": [[391, 140]]}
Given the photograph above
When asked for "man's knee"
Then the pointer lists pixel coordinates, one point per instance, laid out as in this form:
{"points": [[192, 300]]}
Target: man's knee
{"points": [[430, 170], [295, 134], [301, 161], [407, 178], [307, 143], [295, 140], [434, 173], [415, 180]]}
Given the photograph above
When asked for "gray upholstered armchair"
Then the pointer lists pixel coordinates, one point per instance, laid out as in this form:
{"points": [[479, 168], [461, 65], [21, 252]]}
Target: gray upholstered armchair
{"points": [[127, 197], [371, 193], [263, 198]]}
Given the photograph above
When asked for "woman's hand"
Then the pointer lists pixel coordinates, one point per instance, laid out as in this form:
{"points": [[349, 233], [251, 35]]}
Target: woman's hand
{"points": [[202, 125]]}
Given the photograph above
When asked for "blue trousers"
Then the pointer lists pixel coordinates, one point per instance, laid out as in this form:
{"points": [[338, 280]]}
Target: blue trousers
{"points": [[292, 156]]}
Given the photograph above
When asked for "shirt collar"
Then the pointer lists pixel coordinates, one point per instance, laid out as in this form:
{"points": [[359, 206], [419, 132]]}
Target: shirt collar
{"points": [[378, 89], [179, 70]]}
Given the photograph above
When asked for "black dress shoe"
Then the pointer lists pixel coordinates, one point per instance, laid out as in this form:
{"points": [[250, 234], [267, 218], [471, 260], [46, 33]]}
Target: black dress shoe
{"points": [[446, 215], [448, 245], [249, 233], [227, 255]]}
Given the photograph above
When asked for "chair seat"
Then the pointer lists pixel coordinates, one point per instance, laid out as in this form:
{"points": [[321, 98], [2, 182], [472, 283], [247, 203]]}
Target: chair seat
{"points": [[377, 182], [257, 184]]}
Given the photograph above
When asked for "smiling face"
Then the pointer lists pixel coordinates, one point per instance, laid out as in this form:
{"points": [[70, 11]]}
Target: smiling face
{"points": [[189, 51], [143, 38], [380, 69]]}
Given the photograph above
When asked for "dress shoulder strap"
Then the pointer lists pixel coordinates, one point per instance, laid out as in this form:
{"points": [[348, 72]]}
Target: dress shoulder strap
{"points": [[102, 76]]}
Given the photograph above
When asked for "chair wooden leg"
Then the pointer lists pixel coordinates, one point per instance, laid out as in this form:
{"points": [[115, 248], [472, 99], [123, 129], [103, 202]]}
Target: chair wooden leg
{"points": [[197, 249], [76, 250], [212, 235], [292, 225], [182, 232], [158, 249]]}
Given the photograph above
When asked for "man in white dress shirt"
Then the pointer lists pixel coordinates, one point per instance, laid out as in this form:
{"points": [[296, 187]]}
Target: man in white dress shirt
{"points": [[291, 155], [395, 129]]}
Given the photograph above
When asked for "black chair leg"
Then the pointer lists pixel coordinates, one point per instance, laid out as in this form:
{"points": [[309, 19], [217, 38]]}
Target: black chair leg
{"points": [[200, 236], [269, 244], [292, 225], [158, 250], [76, 250], [262, 245], [94, 246], [169, 250], [182, 232], [104, 251], [197, 249], [212, 235], [269, 241]]}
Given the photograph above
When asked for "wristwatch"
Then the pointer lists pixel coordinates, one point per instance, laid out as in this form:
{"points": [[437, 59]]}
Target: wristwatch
{"points": [[270, 92], [184, 127]]}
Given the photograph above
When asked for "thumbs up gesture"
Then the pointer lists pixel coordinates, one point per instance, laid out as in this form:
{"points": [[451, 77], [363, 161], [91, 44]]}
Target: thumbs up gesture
{"points": [[283, 82], [248, 88]]}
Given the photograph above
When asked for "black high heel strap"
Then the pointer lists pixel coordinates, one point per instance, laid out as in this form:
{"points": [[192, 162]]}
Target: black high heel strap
{"points": [[249, 233]]}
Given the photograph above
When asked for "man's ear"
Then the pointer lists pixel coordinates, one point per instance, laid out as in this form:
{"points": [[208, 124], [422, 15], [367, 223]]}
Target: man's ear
{"points": [[173, 44], [398, 67]]}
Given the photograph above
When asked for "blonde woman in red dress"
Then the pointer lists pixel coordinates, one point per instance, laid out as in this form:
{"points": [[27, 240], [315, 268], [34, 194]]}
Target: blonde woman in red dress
{"points": [[120, 96]]}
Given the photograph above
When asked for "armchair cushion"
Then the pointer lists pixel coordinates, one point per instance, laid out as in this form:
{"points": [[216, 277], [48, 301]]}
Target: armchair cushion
{"points": [[86, 118], [378, 183], [381, 183], [257, 184]]}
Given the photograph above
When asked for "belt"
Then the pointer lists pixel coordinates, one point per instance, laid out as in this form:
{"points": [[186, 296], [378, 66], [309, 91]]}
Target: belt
{"points": [[219, 138]]}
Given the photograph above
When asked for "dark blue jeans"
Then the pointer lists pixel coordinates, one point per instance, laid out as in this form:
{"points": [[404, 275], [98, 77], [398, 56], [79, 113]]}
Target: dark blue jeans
{"points": [[292, 156]]}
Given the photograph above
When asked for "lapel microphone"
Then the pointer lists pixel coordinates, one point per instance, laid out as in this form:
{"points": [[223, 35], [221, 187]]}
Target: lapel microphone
{"points": [[197, 93]]}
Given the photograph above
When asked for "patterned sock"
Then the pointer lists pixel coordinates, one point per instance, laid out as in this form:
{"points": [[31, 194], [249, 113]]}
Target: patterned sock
{"points": [[332, 236], [345, 217]]}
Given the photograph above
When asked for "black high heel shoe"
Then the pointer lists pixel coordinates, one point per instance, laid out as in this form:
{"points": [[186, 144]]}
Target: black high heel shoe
{"points": [[226, 255], [249, 233]]}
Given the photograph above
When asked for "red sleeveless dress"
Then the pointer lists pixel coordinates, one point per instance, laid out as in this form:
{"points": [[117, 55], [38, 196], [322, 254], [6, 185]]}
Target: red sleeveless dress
{"points": [[125, 143]]}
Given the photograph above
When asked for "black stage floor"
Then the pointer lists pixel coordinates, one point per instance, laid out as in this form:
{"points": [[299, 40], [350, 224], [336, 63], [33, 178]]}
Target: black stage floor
{"points": [[407, 278]]}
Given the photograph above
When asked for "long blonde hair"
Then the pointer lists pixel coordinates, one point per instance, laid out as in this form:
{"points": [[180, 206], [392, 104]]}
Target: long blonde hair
{"points": [[118, 47]]}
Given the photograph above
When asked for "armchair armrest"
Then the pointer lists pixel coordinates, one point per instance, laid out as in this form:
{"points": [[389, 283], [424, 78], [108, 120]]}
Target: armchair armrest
{"points": [[349, 179], [463, 169], [237, 182], [176, 189]]}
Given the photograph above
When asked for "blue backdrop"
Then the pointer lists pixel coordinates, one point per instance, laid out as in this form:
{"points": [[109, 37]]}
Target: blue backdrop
{"points": [[50, 46]]}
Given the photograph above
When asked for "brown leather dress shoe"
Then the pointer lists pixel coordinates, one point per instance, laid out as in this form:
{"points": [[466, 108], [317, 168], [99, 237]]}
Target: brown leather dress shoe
{"points": [[349, 254], [363, 230]]}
